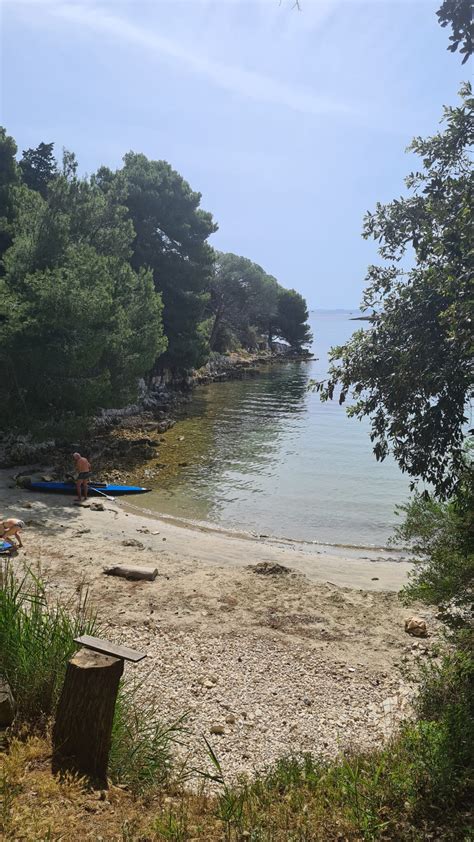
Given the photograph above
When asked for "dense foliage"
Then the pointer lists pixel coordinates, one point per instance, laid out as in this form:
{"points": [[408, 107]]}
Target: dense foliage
{"points": [[411, 371], [107, 279], [292, 316], [78, 325], [36, 641], [458, 15], [248, 307], [171, 233], [38, 167], [9, 177], [441, 537]]}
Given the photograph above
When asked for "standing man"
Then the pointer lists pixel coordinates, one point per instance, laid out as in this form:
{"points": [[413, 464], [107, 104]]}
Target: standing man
{"points": [[83, 472]]}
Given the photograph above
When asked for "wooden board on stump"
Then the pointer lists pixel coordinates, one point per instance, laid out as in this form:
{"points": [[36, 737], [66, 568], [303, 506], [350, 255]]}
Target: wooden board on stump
{"points": [[83, 727]]}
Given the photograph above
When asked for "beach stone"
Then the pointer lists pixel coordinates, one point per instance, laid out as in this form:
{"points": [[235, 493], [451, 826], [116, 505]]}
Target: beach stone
{"points": [[132, 542], [416, 627], [97, 507], [217, 729], [267, 568], [7, 704], [230, 719]]}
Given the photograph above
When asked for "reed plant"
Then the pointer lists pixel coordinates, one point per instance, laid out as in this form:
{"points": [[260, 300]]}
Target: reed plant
{"points": [[36, 641], [143, 752]]}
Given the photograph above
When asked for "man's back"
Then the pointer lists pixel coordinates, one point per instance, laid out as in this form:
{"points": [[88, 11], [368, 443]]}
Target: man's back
{"points": [[82, 464]]}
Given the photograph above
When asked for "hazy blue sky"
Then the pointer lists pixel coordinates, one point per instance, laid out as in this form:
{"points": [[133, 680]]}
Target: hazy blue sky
{"points": [[291, 124]]}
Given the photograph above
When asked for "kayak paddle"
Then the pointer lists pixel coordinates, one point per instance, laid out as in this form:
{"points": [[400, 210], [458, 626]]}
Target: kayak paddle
{"points": [[107, 496], [97, 490]]}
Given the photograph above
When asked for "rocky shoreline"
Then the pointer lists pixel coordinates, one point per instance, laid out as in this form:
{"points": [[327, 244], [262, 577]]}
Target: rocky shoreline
{"points": [[132, 434]]}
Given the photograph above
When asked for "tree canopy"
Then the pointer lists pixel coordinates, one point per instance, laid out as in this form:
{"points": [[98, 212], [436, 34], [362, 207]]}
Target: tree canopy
{"points": [[292, 317], [78, 326], [108, 279], [243, 303], [38, 167], [9, 176], [171, 233], [458, 15], [248, 306], [410, 373]]}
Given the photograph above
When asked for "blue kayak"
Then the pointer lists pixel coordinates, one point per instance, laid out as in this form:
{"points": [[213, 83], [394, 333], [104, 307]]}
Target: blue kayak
{"points": [[96, 489]]}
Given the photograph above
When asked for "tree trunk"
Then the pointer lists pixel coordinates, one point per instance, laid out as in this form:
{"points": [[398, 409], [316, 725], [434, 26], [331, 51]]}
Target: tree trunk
{"points": [[83, 727], [215, 326]]}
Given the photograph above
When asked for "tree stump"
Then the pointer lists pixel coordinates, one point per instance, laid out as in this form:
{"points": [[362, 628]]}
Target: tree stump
{"points": [[83, 727]]}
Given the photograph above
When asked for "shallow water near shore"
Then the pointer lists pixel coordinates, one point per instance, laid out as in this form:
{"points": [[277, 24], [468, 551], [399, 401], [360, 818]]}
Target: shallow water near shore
{"points": [[264, 455]]}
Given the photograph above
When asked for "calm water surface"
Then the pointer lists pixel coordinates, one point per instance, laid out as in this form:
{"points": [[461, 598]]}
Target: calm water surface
{"points": [[265, 455]]}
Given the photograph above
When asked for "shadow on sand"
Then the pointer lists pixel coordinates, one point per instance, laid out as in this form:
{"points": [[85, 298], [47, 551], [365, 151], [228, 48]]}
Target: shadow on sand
{"points": [[51, 513]]}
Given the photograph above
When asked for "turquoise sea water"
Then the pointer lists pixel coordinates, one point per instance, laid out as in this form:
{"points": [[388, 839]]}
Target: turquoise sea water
{"points": [[265, 455]]}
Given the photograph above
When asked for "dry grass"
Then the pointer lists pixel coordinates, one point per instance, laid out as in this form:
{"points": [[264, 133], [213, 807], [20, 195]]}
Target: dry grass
{"points": [[34, 805], [297, 802]]}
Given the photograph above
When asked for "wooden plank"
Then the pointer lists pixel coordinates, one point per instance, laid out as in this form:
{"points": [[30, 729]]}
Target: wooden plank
{"points": [[98, 644], [129, 572]]}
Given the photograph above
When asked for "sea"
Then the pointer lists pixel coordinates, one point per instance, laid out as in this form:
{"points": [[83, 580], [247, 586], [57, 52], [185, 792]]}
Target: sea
{"points": [[264, 455]]}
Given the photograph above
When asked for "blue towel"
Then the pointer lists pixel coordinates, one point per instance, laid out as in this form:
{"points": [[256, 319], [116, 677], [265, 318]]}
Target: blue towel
{"points": [[6, 547]]}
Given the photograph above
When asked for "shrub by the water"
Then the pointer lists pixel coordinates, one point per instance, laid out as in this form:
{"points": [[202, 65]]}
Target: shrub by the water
{"points": [[440, 534]]}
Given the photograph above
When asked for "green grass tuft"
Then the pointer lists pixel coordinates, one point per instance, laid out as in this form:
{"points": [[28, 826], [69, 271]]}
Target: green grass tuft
{"points": [[36, 641], [142, 751]]}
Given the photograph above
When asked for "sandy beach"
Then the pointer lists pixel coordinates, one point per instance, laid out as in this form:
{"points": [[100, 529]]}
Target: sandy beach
{"points": [[307, 661]]}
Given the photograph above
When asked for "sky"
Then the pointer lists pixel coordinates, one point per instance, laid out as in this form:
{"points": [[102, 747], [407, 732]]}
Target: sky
{"points": [[291, 124]]}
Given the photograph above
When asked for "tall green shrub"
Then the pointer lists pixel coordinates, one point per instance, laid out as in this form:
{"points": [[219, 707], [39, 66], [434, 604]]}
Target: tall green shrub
{"points": [[36, 641]]}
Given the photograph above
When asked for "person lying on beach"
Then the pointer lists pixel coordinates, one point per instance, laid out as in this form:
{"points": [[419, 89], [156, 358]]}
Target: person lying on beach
{"points": [[83, 470], [10, 528]]}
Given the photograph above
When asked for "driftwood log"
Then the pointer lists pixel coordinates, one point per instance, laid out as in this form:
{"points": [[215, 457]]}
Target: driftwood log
{"points": [[146, 573], [83, 727]]}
